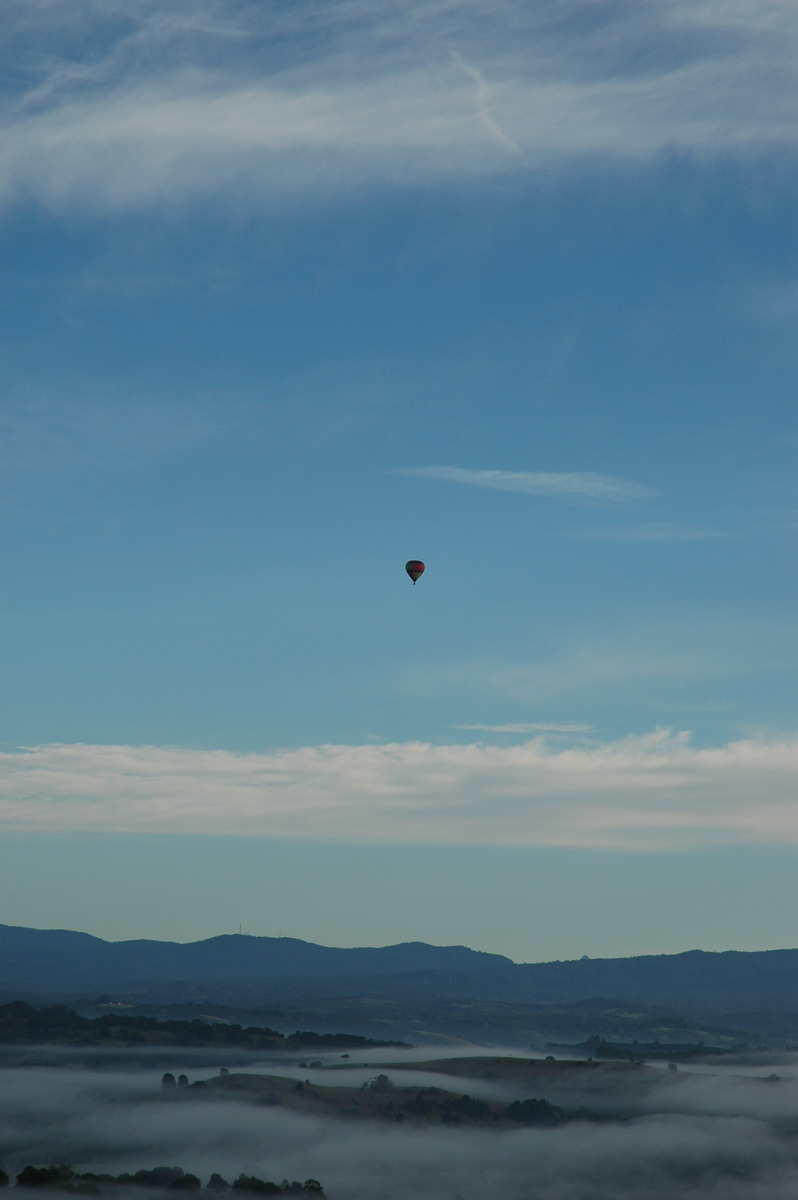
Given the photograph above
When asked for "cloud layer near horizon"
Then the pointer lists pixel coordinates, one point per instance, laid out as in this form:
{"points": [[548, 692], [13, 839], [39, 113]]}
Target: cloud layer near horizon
{"points": [[138, 103], [655, 792]]}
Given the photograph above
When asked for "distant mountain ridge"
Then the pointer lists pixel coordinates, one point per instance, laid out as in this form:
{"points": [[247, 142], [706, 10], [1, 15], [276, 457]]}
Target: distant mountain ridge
{"points": [[45, 957], [279, 970]]}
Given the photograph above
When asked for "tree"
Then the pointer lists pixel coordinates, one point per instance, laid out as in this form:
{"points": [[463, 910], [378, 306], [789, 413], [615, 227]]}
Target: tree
{"points": [[380, 1083], [49, 1177], [534, 1112], [251, 1183], [168, 1080], [157, 1177]]}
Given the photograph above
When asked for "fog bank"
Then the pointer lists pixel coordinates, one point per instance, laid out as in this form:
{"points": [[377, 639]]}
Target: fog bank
{"points": [[701, 1136]]}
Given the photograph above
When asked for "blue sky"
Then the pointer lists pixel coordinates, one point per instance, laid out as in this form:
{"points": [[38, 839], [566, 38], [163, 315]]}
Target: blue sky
{"points": [[294, 294]]}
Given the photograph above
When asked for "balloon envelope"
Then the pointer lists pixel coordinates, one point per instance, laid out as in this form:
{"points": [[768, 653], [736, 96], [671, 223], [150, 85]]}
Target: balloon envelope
{"points": [[415, 569]]}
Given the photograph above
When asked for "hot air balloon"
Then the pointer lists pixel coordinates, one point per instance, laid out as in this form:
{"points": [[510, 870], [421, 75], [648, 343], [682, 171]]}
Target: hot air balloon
{"points": [[415, 569]]}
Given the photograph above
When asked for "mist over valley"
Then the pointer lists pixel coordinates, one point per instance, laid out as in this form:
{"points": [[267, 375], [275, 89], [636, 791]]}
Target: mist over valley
{"points": [[704, 1133], [635, 1099]]}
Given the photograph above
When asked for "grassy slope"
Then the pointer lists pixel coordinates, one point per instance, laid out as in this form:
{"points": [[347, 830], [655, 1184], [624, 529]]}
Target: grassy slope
{"points": [[610, 1086]]}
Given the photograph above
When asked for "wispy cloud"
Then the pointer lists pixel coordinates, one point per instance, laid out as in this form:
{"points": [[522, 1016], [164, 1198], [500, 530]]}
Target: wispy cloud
{"points": [[482, 101], [657, 662], [654, 792], [654, 531], [114, 105], [586, 486], [56, 433], [528, 727]]}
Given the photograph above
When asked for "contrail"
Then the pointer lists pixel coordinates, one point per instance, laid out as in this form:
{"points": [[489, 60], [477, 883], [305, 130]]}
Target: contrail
{"points": [[482, 106]]}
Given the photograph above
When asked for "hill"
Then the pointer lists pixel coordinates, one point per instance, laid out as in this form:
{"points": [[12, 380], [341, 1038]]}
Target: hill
{"points": [[414, 991], [56, 959]]}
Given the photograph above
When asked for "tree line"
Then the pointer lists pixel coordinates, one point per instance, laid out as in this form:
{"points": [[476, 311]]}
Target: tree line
{"points": [[21, 1022], [63, 1178]]}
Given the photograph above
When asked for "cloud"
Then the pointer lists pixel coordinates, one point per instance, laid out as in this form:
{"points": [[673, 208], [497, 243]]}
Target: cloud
{"points": [[530, 727], [651, 792], [654, 531], [661, 661], [118, 105], [56, 434], [566, 485], [482, 101]]}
